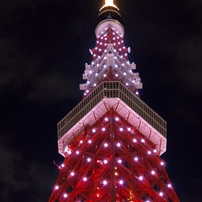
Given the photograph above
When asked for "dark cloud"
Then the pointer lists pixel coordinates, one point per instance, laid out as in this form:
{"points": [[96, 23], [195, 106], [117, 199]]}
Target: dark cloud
{"points": [[22, 179]]}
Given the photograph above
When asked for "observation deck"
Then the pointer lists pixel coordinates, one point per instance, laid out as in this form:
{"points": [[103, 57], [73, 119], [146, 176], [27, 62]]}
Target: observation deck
{"points": [[108, 95]]}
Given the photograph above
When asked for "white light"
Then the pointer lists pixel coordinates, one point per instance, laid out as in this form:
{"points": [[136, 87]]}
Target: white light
{"points": [[124, 72], [121, 129], [106, 119], [161, 194], [129, 129], [169, 185], [134, 140], [89, 141], [94, 84], [100, 43], [140, 178], [116, 65], [88, 82], [137, 93], [105, 145], [84, 179], [116, 119], [118, 144], [103, 129], [92, 63], [126, 84], [136, 158], [72, 174], [149, 152], [56, 187], [69, 151], [97, 65], [116, 75], [105, 57], [104, 75], [88, 159], [123, 64], [121, 182], [142, 140], [77, 152], [119, 161], [153, 172], [105, 182], [105, 66], [162, 163], [93, 130], [96, 74], [65, 195], [63, 165], [155, 151], [105, 161], [115, 57]]}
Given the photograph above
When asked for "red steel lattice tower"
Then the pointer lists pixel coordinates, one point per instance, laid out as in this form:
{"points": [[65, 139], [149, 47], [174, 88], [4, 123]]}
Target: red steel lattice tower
{"points": [[112, 140]]}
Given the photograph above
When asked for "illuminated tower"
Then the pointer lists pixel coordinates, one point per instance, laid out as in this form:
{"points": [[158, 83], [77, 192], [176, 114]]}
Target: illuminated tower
{"points": [[112, 140]]}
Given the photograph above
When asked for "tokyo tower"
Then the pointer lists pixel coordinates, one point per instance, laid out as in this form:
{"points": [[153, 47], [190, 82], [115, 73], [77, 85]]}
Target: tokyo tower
{"points": [[112, 141]]}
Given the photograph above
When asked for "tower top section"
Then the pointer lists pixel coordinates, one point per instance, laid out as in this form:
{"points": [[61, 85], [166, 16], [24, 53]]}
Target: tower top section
{"points": [[109, 16], [109, 3]]}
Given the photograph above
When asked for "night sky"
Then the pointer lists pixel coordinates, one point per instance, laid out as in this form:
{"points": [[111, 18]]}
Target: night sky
{"points": [[43, 48]]}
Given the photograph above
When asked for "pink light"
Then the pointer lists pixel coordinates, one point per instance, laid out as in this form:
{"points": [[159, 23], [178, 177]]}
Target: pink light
{"points": [[103, 129], [120, 161], [162, 163], [136, 158], [121, 182], [149, 152], [105, 144], [140, 178], [118, 144], [72, 174], [105, 182], [169, 185]]}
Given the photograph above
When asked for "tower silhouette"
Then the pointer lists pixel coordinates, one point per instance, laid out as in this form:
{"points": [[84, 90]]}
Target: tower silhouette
{"points": [[112, 140]]}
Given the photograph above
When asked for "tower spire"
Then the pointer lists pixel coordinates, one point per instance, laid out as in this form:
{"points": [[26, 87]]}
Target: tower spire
{"points": [[109, 3]]}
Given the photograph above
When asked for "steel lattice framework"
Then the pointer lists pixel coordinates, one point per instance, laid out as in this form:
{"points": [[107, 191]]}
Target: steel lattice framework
{"points": [[112, 140]]}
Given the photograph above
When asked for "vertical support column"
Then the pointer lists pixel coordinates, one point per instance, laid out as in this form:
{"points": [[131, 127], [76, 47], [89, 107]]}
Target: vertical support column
{"points": [[112, 148]]}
